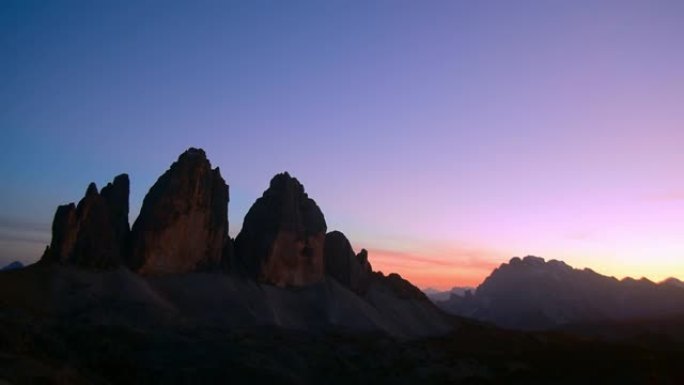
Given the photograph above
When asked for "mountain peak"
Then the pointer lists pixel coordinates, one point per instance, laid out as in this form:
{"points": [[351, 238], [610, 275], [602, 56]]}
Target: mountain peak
{"points": [[92, 233], [532, 293], [282, 236], [183, 221], [192, 152]]}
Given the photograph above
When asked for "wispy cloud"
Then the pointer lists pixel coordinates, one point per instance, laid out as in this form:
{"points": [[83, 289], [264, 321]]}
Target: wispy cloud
{"points": [[24, 238], [669, 196], [463, 259], [23, 225], [21, 231], [437, 268]]}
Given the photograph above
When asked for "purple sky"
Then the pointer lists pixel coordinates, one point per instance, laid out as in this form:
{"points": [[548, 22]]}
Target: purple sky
{"points": [[445, 137]]}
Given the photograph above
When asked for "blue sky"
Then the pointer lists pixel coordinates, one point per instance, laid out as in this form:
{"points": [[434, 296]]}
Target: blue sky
{"points": [[451, 134]]}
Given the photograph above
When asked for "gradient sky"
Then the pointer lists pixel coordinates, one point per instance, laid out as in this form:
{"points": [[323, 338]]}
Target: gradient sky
{"points": [[443, 136]]}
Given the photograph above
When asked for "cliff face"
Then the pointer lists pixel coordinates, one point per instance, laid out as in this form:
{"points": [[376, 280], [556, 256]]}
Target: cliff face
{"points": [[351, 270], [283, 236], [92, 233], [183, 222]]}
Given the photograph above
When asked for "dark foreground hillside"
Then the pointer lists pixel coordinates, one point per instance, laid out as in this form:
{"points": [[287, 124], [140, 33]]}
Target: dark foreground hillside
{"points": [[41, 352]]}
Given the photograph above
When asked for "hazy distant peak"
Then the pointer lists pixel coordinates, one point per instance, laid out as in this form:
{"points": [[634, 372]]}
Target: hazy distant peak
{"points": [[12, 266], [531, 293]]}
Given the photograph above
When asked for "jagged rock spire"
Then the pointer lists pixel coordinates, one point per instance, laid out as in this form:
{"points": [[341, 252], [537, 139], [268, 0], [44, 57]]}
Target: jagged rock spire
{"points": [[92, 233], [183, 222]]}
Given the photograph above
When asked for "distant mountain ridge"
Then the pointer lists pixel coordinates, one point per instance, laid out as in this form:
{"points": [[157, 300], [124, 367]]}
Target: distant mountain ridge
{"points": [[12, 266], [531, 293], [436, 295]]}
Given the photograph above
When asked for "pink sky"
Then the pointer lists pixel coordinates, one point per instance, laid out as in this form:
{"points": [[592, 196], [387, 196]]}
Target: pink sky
{"points": [[445, 137]]}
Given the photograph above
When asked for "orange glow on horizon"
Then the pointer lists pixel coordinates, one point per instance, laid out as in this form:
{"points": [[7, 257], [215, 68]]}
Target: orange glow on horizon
{"points": [[444, 270], [432, 271]]}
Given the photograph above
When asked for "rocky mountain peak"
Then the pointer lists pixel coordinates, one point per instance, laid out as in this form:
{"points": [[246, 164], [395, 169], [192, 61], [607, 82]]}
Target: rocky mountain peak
{"points": [[92, 233], [183, 222], [282, 236]]}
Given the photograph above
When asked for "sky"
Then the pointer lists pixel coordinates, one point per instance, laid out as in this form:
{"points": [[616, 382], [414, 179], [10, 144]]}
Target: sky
{"points": [[443, 136]]}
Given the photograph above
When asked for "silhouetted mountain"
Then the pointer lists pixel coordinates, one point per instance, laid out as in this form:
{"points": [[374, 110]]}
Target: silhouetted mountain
{"points": [[177, 266], [673, 282], [442, 295], [183, 222], [12, 266], [531, 293], [174, 300], [282, 236], [92, 233]]}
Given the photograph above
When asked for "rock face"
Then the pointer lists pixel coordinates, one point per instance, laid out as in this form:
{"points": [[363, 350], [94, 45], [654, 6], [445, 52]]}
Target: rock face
{"points": [[351, 270], [183, 222], [92, 234], [283, 235]]}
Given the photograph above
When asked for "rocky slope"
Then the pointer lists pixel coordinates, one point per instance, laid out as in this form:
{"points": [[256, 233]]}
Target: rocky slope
{"points": [[531, 293]]}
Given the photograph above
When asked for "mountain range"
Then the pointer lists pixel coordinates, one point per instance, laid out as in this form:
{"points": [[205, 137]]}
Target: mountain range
{"points": [[534, 294], [436, 295], [176, 265], [173, 299]]}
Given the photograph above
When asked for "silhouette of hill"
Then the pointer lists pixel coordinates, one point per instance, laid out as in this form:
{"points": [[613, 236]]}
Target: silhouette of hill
{"points": [[672, 282], [442, 295], [12, 266], [531, 293], [177, 266]]}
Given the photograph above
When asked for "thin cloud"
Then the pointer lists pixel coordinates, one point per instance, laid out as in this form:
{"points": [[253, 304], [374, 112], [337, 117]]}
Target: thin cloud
{"points": [[442, 269], [22, 225], [477, 259], [671, 196], [19, 231], [24, 237]]}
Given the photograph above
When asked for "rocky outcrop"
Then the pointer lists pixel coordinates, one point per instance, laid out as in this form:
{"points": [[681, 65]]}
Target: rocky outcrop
{"points": [[400, 287], [92, 234], [283, 235], [183, 222], [351, 270]]}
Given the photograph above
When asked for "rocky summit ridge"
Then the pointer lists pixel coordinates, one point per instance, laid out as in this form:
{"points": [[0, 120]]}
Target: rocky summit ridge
{"points": [[533, 293]]}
